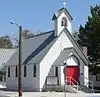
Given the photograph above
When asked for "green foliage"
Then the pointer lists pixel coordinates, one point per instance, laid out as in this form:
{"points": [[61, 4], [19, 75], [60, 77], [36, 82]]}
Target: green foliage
{"points": [[89, 35], [26, 33], [5, 42]]}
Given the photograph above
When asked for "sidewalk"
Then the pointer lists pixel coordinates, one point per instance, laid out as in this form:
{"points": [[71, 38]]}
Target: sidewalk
{"points": [[47, 94], [40, 94]]}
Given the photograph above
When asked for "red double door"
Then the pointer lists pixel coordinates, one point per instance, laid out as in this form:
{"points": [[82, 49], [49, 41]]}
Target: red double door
{"points": [[72, 73]]}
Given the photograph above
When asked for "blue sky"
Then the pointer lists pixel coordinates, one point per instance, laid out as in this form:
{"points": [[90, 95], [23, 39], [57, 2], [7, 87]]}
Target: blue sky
{"points": [[36, 14]]}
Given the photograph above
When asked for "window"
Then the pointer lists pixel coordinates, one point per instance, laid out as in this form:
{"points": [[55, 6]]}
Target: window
{"points": [[1, 78], [34, 70], [25, 71], [98, 77], [56, 71], [4, 75], [64, 21], [8, 71], [16, 72]]}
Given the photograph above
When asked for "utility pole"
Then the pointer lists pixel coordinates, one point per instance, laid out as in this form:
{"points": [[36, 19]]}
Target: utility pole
{"points": [[20, 59], [64, 71], [20, 63]]}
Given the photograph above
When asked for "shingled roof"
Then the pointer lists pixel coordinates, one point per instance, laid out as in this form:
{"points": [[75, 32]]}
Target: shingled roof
{"points": [[5, 55], [34, 48]]}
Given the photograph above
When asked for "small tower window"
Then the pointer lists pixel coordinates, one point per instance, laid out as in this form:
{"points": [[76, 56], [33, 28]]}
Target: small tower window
{"points": [[25, 71], [64, 21], [16, 72], [9, 71], [34, 70]]}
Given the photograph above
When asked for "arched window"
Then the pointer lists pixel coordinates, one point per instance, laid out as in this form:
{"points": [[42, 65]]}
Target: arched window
{"points": [[64, 21], [34, 70], [25, 71], [9, 71], [56, 71], [16, 72]]}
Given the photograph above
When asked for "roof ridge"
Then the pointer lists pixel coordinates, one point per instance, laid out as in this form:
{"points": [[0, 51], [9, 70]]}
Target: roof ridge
{"points": [[42, 33], [64, 9]]}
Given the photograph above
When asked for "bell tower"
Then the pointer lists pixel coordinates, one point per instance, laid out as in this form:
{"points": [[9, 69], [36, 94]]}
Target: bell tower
{"points": [[62, 19]]}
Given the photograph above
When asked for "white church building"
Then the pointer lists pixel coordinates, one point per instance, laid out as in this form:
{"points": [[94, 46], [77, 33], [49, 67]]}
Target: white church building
{"points": [[50, 58]]}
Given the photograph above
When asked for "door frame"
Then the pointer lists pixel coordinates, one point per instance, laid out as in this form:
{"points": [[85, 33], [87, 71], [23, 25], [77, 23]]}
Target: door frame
{"points": [[73, 55]]}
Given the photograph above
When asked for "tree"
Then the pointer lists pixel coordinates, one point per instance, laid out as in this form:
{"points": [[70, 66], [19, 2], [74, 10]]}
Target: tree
{"points": [[90, 34], [27, 33], [5, 42], [75, 35]]}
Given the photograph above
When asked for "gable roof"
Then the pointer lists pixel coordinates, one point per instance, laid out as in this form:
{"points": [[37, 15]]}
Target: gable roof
{"points": [[66, 12], [34, 48], [46, 41], [5, 55], [75, 49], [65, 54], [76, 46], [56, 16]]}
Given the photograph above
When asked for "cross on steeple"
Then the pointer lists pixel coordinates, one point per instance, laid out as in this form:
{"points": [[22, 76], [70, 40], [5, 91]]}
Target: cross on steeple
{"points": [[64, 3]]}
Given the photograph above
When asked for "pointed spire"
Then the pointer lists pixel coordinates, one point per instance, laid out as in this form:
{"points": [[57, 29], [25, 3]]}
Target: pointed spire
{"points": [[54, 17]]}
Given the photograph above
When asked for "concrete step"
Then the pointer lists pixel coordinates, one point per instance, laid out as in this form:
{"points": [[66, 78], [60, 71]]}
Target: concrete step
{"points": [[84, 89]]}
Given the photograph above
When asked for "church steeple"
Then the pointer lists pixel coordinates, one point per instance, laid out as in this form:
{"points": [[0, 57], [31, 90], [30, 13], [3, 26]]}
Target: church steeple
{"points": [[62, 19]]}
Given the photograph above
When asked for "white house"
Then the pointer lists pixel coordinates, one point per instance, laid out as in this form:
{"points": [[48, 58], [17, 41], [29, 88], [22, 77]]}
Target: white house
{"points": [[5, 55], [44, 57], [96, 80], [95, 77]]}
